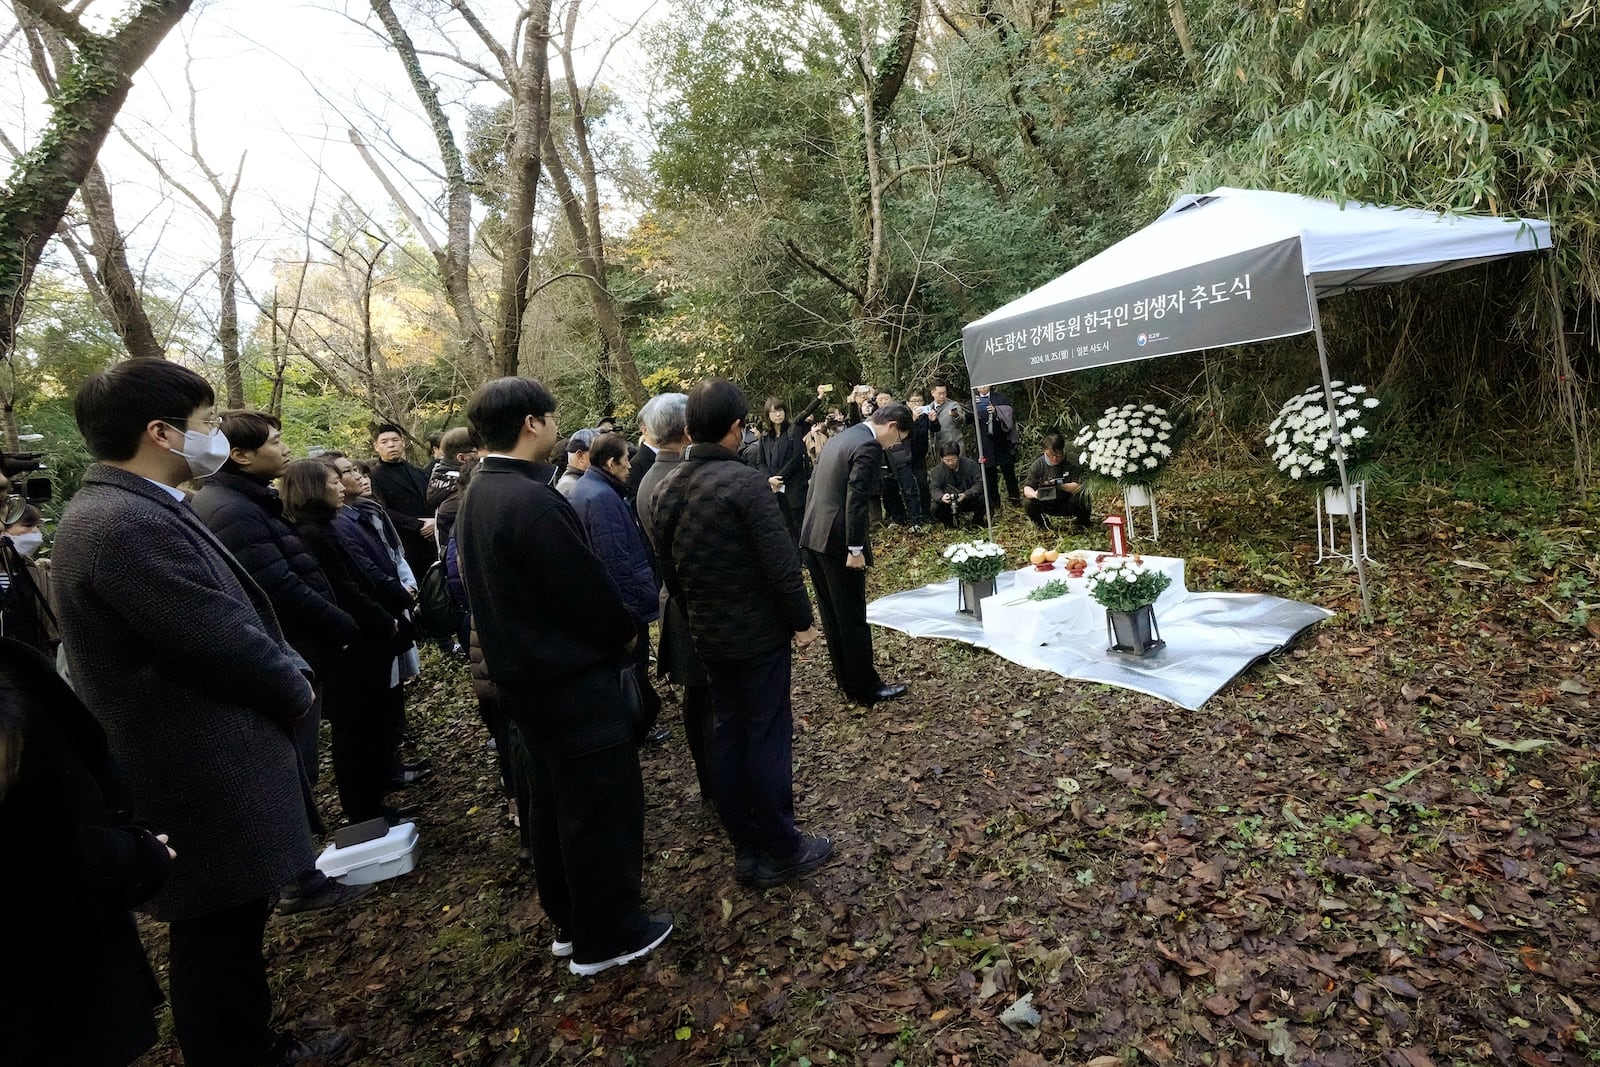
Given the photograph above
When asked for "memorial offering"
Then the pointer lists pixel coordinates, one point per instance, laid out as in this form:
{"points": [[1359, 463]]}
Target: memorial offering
{"points": [[974, 565], [1128, 445], [1128, 589], [1302, 435]]}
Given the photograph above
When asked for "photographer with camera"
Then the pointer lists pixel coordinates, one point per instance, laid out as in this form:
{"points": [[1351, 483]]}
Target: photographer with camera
{"points": [[1054, 486], [957, 486]]}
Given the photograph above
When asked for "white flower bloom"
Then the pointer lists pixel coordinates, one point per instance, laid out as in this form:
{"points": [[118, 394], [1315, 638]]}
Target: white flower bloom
{"points": [[1370, 402]]}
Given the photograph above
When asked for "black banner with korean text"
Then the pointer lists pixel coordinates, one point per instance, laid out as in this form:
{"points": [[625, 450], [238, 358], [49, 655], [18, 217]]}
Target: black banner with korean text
{"points": [[1255, 295]]}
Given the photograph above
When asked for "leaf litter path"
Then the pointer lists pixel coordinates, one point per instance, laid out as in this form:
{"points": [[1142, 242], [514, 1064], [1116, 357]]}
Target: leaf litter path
{"points": [[1343, 858]]}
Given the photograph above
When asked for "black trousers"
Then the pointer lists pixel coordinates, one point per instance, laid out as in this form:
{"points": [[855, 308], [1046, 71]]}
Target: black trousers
{"points": [[842, 603], [361, 706], [649, 699], [587, 817], [698, 724], [793, 503], [515, 760], [947, 513], [993, 468], [754, 753], [221, 1007], [1066, 505]]}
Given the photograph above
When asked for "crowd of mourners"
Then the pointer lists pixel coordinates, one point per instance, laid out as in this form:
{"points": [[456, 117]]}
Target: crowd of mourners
{"points": [[208, 601]]}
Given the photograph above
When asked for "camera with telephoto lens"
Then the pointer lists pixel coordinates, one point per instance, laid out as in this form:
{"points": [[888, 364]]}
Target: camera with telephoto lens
{"points": [[22, 469]]}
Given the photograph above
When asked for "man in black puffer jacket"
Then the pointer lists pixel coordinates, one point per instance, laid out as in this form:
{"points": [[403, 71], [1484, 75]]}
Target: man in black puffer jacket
{"points": [[241, 507], [727, 555]]}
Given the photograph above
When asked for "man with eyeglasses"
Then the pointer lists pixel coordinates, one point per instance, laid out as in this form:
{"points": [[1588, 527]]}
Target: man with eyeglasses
{"points": [[556, 637], [177, 652]]}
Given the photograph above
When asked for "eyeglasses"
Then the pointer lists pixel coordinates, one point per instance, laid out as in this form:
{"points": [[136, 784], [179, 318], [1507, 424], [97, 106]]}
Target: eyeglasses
{"points": [[212, 425], [11, 508]]}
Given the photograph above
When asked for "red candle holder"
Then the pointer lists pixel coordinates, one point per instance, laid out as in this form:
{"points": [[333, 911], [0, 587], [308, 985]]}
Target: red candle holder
{"points": [[1119, 535]]}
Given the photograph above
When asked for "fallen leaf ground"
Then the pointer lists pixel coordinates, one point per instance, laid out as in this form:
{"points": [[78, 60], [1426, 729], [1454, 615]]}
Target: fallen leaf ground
{"points": [[1380, 846]]}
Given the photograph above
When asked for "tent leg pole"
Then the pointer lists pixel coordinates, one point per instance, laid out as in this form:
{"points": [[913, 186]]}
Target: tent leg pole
{"points": [[1338, 450], [983, 469]]}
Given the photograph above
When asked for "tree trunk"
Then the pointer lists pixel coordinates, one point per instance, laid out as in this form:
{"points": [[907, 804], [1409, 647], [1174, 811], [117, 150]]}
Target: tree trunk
{"points": [[228, 290], [531, 116], [116, 290], [1180, 26], [587, 235], [81, 114], [455, 257], [125, 306]]}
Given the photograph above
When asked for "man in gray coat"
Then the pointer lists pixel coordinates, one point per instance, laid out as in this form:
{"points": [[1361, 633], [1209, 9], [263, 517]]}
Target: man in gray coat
{"points": [[177, 653]]}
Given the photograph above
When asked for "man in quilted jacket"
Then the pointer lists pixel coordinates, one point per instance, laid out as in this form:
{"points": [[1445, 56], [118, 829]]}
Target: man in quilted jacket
{"points": [[241, 507], [726, 553]]}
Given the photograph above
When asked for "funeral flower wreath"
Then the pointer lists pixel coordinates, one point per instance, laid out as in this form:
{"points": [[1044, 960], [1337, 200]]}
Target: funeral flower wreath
{"points": [[975, 561], [1301, 437], [1126, 583], [1128, 444]]}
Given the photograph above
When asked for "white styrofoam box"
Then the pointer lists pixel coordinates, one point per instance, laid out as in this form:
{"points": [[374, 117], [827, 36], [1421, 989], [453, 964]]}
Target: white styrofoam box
{"points": [[1038, 622], [389, 856]]}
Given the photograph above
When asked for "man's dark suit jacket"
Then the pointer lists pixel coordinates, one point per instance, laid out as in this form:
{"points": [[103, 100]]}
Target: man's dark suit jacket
{"points": [[836, 509]]}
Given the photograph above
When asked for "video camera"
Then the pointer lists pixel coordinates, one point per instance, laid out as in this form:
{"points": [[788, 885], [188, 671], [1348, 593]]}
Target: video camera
{"points": [[22, 469]]}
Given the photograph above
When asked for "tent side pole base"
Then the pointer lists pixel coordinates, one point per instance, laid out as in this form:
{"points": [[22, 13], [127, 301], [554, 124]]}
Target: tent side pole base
{"points": [[1338, 448]]}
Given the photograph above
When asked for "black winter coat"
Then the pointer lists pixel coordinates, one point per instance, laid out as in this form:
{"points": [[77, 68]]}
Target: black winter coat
{"points": [[727, 555], [379, 638], [403, 491], [617, 538], [76, 862], [544, 605], [178, 654], [247, 517]]}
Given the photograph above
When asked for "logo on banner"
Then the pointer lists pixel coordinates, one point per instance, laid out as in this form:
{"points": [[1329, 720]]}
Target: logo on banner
{"points": [[1144, 339]]}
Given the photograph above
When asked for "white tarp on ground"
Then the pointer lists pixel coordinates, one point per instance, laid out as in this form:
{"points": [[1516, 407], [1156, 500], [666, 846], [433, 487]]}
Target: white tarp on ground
{"points": [[1211, 638], [1223, 268]]}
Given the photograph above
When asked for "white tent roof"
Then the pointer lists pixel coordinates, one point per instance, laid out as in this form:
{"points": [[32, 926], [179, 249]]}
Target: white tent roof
{"points": [[1342, 247]]}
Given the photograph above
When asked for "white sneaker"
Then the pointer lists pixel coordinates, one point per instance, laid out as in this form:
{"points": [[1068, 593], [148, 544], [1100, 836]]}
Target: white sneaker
{"points": [[561, 947], [655, 932]]}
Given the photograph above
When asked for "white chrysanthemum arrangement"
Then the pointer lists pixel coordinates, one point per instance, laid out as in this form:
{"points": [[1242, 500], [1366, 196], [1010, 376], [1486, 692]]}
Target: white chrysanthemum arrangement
{"points": [[975, 561], [1301, 437], [1126, 583], [1130, 444]]}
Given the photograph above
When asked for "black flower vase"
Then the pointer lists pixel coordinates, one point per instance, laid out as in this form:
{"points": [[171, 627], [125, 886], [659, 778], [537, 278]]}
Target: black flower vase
{"points": [[1134, 633], [970, 596]]}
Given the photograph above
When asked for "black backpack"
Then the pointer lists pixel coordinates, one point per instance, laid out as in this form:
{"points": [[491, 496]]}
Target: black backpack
{"points": [[437, 614]]}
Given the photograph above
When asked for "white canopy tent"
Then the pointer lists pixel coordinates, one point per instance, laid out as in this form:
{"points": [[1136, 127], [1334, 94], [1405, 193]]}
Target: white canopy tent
{"points": [[1229, 267]]}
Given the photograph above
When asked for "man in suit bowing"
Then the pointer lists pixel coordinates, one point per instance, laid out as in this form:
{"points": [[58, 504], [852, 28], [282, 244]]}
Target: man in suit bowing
{"points": [[837, 549]]}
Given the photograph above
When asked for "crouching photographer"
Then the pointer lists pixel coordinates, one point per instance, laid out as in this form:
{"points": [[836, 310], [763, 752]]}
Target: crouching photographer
{"points": [[1054, 487], [956, 488]]}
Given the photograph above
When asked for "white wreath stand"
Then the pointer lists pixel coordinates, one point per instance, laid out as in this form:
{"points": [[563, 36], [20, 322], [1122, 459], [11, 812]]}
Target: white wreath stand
{"points": [[1333, 504], [1142, 496]]}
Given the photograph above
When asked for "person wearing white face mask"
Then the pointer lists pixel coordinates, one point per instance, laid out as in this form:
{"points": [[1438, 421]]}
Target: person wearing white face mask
{"points": [[25, 613], [177, 652]]}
